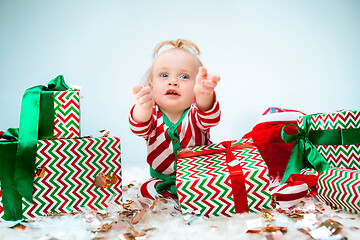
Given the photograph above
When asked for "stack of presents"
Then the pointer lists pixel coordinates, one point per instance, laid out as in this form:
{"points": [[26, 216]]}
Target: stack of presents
{"points": [[47, 167]]}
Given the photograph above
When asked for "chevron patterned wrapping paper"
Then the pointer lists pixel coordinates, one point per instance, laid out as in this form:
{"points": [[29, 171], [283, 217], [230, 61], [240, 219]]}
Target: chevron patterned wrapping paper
{"points": [[339, 156], [309, 171], [204, 185], [67, 114], [340, 188], [70, 167]]}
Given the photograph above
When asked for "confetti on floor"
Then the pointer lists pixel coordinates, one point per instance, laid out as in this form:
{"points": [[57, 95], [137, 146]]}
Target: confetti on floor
{"points": [[139, 218]]}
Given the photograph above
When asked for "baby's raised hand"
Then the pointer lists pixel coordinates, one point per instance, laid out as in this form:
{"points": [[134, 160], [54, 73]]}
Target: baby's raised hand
{"points": [[144, 103], [205, 83], [204, 89], [142, 96]]}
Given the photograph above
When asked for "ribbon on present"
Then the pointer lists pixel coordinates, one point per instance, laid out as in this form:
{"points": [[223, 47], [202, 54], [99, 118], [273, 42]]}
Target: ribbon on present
{"points": [[17, 180], [304, 153], [344, 136], [229, 147], [11, 198], [236, 173], [29, 129]]}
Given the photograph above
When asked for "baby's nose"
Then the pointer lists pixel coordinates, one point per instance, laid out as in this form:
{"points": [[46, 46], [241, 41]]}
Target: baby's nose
{"points": [[173, 81]]}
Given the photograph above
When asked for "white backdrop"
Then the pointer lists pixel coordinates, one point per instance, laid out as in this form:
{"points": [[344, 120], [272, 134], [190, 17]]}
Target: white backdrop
{"points": [[298, 54]]}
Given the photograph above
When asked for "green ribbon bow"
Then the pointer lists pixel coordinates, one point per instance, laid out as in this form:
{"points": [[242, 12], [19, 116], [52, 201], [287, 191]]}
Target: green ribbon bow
{"points": [[303, 155], [18, 159]]}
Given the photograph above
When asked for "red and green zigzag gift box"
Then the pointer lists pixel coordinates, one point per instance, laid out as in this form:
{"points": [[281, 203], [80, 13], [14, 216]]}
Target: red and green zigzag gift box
{"points": [[56, 107], [340, 188], [67, 114], [222, 179], [336, 136], [66, 173]]}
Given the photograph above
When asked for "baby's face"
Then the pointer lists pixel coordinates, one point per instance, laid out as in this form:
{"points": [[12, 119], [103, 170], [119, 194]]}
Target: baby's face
{"points": [[173, 80]]}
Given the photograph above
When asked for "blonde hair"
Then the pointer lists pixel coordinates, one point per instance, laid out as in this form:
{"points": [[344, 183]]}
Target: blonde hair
{"points": [[182, 44]]}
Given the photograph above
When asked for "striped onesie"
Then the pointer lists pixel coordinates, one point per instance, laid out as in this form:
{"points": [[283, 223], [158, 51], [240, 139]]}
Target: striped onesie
{"points": [[164, 138]]}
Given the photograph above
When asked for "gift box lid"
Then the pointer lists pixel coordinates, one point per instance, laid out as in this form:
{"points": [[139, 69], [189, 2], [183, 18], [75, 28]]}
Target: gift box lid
{"points": [[333, 120]]}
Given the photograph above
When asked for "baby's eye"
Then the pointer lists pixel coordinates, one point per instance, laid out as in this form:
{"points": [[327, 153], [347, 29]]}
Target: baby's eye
{"points": [[164, 75], [184, 76]]}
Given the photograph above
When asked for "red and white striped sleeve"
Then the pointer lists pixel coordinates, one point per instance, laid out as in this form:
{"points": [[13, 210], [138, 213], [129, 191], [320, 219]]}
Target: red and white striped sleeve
{"points": [[140, 129], [208, 119]]}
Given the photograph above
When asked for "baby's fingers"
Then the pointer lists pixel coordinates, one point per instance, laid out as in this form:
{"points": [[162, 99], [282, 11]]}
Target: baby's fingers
{"points": [[202, 74], [136, 89], [209, 83], [140, 92], [213, 77], [144, 99]]}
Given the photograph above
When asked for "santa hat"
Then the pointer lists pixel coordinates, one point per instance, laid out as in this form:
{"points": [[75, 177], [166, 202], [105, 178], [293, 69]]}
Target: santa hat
{"points": [[267, 138]]}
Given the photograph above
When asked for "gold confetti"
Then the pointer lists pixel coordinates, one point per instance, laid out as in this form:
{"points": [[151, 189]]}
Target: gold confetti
{"points": [[126, 236], [105, 132], [40, 172], [149, 229], [268, 216], [274, 229], [334, 226], [20, 227]]}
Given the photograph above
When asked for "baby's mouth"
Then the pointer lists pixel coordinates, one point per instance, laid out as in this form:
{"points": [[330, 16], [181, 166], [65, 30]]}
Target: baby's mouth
{"points": [[172, 93]]}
